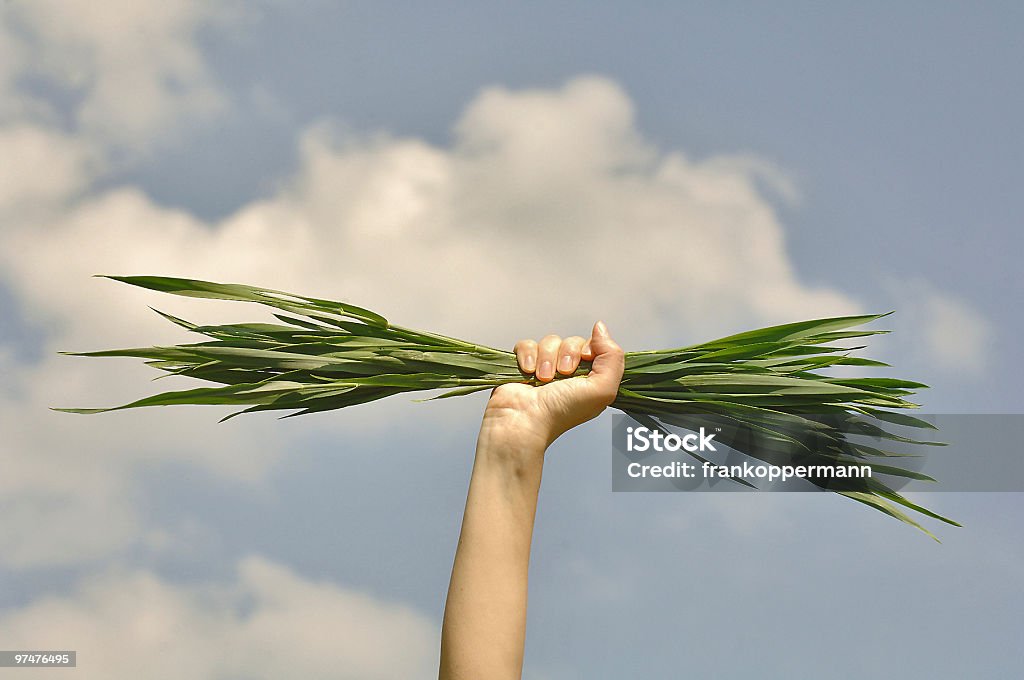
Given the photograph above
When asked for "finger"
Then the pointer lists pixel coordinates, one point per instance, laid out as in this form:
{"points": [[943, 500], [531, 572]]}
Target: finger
{"points": [[547, 354], [587, 354], [526, 355], [609, 361], [569, 354]]}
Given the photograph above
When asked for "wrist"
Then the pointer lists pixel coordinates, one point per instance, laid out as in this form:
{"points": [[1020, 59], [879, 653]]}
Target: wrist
{"points": [[511, 440], [528, 425]]}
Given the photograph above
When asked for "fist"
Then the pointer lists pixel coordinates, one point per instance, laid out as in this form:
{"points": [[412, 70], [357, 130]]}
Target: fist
{"points": [[547, 410]]}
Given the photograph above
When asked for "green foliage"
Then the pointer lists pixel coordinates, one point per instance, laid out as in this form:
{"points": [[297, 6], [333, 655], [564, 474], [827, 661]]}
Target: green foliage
{"points": [[327, 355]]}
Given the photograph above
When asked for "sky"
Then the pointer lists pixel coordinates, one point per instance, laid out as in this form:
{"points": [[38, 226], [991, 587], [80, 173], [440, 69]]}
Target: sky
{"points": [[680, 170]]}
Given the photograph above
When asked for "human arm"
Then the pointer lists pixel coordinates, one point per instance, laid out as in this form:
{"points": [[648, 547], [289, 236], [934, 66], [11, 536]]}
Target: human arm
{"points": [[484, 628]]}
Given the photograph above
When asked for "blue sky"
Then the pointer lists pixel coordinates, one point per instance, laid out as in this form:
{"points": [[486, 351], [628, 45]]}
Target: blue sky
{"points": [[718, 167]]}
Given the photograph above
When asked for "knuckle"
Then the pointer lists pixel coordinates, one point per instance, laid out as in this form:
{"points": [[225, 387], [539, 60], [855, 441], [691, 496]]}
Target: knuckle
{"points": [[571, 346], [551, 341]]}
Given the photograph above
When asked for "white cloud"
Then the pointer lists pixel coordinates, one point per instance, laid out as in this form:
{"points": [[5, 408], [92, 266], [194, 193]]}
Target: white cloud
{"points": [[958, 336], [41, 167], [133, 67], [943, 329], [269, 623], [496, 235], [548, 211]]}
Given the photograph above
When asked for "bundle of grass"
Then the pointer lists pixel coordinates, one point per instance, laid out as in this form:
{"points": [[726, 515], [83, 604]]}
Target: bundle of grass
{"points": [[326, 355]]}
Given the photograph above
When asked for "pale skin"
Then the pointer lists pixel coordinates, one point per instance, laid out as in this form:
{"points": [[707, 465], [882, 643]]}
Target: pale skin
{"points": [[484, 627]]}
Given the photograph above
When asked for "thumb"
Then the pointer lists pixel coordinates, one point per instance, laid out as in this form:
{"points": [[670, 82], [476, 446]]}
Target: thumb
{"points": [[609, 359]]}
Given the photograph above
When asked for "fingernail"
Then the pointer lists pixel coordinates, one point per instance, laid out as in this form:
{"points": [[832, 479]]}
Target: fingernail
{"points": [[565, 364], [546, 370], [601, 328], [529, 363]]}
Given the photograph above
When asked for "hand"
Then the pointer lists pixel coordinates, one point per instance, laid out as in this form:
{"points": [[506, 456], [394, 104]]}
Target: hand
{"points": [[544, 412]]}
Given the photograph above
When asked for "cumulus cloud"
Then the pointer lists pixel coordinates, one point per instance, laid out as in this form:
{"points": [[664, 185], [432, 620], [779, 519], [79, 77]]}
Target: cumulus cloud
{"points": [[269, 623], [495, 235], [42, 167], [134, 68], [552, 196], [958, 336], [947, 332], [548, 210]]}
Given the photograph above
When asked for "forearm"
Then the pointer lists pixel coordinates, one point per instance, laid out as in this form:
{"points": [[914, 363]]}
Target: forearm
{"points": [[485, 617], [484, 627]]}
